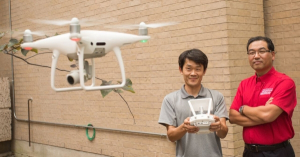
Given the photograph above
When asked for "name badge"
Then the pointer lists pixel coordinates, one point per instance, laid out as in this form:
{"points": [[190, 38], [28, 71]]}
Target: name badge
{"points": [[266, 91]]}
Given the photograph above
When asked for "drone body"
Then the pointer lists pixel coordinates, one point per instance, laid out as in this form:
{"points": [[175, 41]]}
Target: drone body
{"points": [[86, 44], [96, 43]]}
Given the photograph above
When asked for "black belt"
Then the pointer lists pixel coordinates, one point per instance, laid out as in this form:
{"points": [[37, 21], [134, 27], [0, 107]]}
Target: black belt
{"points": [[262, 148]]}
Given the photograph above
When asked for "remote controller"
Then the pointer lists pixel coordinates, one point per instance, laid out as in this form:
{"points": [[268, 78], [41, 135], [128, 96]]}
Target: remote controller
{"points": [[201, 110], [202, 122]]}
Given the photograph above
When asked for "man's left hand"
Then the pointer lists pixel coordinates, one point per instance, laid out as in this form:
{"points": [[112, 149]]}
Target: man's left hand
{"points": [[216, 125]]}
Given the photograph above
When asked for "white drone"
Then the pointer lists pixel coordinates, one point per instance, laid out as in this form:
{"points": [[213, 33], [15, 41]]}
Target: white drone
{"points": [[86, 44]]}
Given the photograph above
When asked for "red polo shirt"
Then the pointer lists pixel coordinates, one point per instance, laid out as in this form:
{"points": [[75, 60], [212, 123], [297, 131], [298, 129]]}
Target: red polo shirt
{"points": [[256, 91]]}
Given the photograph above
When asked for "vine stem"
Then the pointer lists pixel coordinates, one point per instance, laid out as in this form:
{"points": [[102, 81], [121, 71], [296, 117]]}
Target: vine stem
{"points": [[25, 60], [44, 66], [128, 107]]}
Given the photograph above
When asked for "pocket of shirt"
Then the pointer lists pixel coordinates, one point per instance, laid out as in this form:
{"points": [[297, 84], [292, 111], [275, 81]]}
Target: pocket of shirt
{"points": [[263, 100]]}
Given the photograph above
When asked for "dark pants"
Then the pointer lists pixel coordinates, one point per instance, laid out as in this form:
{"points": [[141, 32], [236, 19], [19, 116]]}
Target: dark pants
{"points": [[286, 151]]}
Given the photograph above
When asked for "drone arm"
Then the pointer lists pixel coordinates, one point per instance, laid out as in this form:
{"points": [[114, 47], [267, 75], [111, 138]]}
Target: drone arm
{"points": [[53, 68]]}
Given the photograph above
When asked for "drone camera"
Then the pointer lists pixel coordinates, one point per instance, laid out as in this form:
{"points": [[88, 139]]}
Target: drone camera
{"points": [[74, 77]]}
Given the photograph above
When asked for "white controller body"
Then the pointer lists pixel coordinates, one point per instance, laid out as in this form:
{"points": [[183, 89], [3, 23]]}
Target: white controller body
{"points": [[203, 118], [202, 121]]}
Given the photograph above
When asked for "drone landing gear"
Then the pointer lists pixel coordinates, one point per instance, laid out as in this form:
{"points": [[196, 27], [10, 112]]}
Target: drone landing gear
{"points": [[83, 72], [92, 87], [53, 68]]}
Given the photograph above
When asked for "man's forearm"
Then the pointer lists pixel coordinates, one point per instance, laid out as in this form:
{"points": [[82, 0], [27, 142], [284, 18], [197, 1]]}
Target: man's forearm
{"points": [[224, 129], [236, 118], [254, 113], [175, 133], [262, 114]]}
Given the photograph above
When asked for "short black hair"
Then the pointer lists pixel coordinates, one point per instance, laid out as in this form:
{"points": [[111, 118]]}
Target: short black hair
{"points": [[266, 39], [195, 55]]}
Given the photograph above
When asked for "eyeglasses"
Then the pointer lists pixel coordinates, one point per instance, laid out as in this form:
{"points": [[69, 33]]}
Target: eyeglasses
{"points": [[260, 52]]}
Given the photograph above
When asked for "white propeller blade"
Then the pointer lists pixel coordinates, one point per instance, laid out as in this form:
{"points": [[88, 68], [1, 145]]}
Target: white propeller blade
{"points": [[37, 33], [142, 24], [156, 25], [52, 22], [83, 22]]}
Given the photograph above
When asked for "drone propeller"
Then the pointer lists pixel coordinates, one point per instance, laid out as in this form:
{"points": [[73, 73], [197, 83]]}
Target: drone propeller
{"points": [[75, 26], [143, 28], [156, 25], [143, 25], [27, 31], [83, 22]]}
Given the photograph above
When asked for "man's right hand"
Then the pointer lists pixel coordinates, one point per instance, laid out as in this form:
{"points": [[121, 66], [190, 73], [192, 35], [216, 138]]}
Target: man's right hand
{"points": [[188, 127], [176, 133]]}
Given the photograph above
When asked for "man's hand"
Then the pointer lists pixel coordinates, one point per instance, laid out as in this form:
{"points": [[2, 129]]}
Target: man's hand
{"points": [[176, 133], [269, 101], [188, 127], [219, 126], [216, 126]]}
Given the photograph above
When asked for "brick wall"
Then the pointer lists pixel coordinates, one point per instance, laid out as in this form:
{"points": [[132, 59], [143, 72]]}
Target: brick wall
{"points": [[282, 21], [217, 27], [244, 20], [5, 63], [151, 66]]}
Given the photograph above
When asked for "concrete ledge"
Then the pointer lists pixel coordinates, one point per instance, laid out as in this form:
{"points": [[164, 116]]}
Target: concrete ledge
{"points": [[9, 154], [5, 125], [21, 148]]}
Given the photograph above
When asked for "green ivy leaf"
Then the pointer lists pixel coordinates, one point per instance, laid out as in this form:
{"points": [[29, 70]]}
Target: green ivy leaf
{"points": [[34, 50], [21, 40], [104, 83], [128, 86], [12, 42], [24, 52], [18, 48], [1, 34], [105, 92], [2, 47], [118, 90]]}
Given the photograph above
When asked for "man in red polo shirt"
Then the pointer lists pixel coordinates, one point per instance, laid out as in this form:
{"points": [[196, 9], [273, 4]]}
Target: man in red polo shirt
{"points": [[264, 104]]}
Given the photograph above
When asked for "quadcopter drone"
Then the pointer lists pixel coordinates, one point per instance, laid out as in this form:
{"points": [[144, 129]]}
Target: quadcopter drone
{"points": [[86, 44]]}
